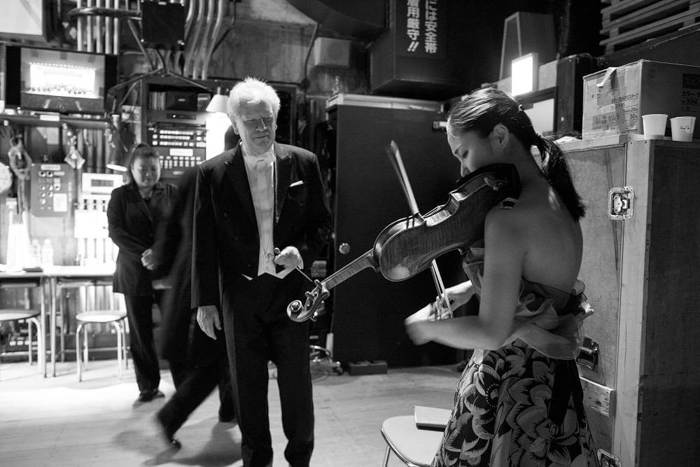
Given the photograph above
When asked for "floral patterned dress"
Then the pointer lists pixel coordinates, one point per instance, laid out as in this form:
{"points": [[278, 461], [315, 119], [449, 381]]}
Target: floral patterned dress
{"points": [[521, 405]]}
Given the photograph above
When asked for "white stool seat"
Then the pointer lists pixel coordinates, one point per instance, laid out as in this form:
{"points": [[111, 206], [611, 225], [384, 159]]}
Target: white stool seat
{"points": [[11, 314], [114, 317], [100, 316], [33, 318], [415, 447]]}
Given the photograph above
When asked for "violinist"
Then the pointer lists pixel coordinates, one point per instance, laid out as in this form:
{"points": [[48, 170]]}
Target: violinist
{"points": [[519, 400]]}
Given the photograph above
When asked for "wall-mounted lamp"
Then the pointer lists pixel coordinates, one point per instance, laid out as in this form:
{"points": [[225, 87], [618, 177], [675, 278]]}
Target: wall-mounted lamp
{"points": [[524, 73], [218, 101]]}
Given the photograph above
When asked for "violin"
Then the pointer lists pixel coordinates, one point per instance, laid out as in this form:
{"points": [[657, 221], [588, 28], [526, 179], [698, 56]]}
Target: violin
{"points": [[409, 245]]}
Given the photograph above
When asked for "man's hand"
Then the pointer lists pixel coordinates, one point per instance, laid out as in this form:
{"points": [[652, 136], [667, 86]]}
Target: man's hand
{"points": [[148, 260], [289, 258], [208, 320]]}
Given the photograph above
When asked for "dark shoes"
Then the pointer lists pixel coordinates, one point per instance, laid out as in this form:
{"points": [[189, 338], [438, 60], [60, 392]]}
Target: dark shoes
{"points": [[165, 434], [227, 414], [148, 396]]}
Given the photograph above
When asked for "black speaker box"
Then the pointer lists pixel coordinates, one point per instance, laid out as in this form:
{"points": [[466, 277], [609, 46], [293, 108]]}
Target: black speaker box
{"points": [[163, 24], [569, 92]]}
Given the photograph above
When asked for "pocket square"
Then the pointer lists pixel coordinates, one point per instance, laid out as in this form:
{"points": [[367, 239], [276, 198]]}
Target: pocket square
{"points": [[297, 183]]}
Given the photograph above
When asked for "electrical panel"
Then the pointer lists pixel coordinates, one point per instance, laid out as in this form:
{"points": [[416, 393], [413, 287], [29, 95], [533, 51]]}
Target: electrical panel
{"points": [[51, 189]]}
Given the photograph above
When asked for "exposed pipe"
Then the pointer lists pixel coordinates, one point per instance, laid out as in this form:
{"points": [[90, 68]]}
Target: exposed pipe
{"points": [[193, 43], [109, 24], [99, 35], [90, 29], [191, 6], [203, 45], [221, 13], [115, 45], [80, 30]]}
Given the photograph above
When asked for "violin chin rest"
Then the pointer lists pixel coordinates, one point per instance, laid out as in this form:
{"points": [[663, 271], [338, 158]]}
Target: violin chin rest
{"points": [[397, 273]]}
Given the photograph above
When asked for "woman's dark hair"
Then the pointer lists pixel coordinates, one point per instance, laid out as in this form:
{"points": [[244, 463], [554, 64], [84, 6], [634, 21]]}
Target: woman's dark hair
{"points": [[482, 109], [141, 151]]}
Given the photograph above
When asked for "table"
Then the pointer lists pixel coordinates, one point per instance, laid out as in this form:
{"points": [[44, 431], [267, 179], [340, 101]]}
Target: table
{"points": [[59, 277], [31, 280], [51, 281]]}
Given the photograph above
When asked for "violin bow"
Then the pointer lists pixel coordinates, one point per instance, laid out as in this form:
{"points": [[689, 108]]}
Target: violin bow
{"points": [[442, 310]]}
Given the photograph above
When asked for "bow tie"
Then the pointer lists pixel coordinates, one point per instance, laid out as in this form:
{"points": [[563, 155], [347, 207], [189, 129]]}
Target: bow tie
{"points": [[260, 160]]}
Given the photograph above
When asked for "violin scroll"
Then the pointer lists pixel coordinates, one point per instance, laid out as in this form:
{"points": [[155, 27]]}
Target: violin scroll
{"points": [[312, 306]]}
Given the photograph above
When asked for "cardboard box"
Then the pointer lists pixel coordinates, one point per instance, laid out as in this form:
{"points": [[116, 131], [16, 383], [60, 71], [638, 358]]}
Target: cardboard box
{"points": [[615, 99]]}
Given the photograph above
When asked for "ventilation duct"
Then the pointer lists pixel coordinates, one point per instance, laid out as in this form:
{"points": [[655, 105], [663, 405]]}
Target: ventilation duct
{"points": [[358, 19]]}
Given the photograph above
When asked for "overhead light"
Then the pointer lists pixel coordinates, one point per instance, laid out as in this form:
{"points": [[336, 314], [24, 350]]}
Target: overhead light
{"points": [[218, 102], [117, 163], [524, 71]]}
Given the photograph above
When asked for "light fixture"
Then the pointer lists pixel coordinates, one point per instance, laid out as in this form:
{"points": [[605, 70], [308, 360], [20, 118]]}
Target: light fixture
{"points": [[524, 71], [218, 102], [117, 149]]}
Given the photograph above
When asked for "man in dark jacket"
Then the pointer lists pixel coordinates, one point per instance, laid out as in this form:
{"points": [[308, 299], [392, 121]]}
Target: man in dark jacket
{"points": [[197, 363], [260, 213]]}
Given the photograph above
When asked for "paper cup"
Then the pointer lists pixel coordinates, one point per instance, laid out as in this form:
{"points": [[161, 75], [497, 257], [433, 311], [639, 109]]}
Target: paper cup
{"points": [[682, 128], [654, 125]]}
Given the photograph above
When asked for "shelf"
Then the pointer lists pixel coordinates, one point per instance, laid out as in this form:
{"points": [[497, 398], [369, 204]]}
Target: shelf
{"points": [[55, 120]]}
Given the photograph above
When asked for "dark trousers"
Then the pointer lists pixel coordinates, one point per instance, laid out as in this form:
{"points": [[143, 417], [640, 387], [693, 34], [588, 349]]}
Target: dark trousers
{"points": [[196, 385], [139, 309], [257, 331]]}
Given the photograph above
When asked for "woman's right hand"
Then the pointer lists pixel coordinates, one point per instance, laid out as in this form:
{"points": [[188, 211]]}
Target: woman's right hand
{"points": [[421, 315], [418, 325], [460, 294]]}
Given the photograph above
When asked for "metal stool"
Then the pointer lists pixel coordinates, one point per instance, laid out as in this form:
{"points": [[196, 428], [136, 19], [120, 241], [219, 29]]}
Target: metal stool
{"points": [[32, 317], [114, 317], [415, 447]]}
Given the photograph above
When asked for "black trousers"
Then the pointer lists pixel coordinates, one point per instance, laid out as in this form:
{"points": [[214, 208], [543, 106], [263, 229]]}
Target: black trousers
{"points": [[257, 331], [194, 388], [141, 345]]}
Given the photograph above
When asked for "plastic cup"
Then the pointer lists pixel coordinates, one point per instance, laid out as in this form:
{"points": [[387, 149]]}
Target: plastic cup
{"points": [[654, 125], [682, 128]]}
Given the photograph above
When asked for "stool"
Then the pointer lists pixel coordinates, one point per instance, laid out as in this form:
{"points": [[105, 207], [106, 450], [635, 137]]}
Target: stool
{"points": [[415, 447], [114, 317], [32, 317]]}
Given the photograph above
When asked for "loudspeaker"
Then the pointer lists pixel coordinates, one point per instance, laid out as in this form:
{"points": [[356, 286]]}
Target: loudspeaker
{"points": [[162, 24], [331, 52], [569, 92], [523, 33]]}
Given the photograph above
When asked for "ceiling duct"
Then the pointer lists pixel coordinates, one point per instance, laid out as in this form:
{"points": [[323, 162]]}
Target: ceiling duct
{"points": [[359, 19]]}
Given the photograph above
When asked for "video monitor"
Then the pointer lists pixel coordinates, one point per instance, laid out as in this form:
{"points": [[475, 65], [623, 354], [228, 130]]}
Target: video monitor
{"points": [[57, 80]]}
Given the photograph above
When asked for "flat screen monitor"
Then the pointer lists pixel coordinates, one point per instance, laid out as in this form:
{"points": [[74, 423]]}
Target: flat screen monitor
{"points": [[24, 19], [57, 80]]}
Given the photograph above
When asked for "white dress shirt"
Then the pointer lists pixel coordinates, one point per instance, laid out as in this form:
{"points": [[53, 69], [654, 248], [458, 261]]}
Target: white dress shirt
{"points": [[262, 180]]}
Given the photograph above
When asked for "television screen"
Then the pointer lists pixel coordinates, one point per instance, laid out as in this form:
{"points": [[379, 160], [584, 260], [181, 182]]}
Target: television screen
{"points": [[57, 80], [23, 19]]}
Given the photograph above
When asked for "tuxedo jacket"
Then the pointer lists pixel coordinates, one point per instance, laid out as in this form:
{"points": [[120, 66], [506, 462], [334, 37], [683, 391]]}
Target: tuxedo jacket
{"points": [[132, 227], [226, 241]]}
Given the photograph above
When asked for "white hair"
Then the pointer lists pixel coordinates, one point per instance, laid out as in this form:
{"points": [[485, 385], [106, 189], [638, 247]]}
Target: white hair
{"points": [[252, 91]]}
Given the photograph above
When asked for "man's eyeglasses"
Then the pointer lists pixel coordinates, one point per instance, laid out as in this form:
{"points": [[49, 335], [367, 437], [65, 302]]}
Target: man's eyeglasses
{"points": [[255, 122]]}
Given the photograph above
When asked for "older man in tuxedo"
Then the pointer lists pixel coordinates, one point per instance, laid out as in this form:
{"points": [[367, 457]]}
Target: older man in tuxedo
{"points": [[260, 214]]}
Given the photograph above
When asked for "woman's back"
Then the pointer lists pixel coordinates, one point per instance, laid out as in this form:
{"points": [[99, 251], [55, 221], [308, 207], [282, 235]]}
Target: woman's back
{"points": [[552, 238]]}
